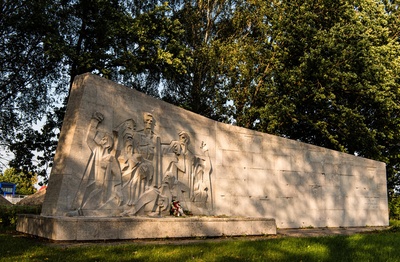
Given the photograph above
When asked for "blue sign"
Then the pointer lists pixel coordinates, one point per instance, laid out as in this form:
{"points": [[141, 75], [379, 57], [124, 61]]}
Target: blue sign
{"points": [[7, 188]]}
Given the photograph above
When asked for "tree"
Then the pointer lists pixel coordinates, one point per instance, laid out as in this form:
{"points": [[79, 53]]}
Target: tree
{"points": [[200, 88], [155, 52], [27, 70], [25, 183], [322, 72], [34, 149], [47, 43], [330, 78], [248, 61]]}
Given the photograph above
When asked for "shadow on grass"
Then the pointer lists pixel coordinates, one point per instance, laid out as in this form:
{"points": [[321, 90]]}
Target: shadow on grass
{"points": [[377, 246]]}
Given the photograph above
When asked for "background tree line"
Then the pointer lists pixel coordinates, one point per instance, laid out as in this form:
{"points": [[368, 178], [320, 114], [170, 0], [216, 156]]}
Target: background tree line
{"points": [[319, 71], [24, 182]]}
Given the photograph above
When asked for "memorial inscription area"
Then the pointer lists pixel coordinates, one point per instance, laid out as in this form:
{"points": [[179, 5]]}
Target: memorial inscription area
{"points": [[129, 166]]}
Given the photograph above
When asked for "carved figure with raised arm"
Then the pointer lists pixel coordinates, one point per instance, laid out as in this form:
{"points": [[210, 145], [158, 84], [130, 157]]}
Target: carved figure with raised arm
{"points": [[101, 181]]}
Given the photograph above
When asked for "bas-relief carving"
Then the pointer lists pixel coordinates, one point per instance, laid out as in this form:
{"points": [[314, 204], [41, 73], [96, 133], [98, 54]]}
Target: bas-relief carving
{"points": [[133, 172], [101, 180]]}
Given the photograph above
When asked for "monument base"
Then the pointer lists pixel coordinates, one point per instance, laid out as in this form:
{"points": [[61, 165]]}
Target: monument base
{"points": [[119, 228]]}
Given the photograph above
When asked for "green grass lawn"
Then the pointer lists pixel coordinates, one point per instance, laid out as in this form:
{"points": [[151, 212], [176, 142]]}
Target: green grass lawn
{"points": [[376, 246]]}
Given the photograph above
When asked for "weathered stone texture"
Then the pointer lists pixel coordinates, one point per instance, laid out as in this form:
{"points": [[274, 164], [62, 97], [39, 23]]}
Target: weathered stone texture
{"points": [[103, 228], [250, 174]]}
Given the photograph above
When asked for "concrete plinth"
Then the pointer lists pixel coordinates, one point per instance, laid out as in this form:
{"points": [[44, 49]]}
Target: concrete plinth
{"points": [[119, 228]]}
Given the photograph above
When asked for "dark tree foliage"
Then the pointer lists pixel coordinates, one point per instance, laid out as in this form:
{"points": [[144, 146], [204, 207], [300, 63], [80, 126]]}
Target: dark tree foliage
{"points": [[43, 143], [323, 72], [27, 71], [25, 182], [201, 88], [45, 44]]}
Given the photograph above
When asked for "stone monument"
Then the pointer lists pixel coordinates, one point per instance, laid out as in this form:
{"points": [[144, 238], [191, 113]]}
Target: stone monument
{"points": [[130, 166]]}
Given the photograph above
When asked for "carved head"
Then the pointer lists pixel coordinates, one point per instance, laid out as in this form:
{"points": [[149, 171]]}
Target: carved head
{"points": [[184, 138], [128, 142], [129, 124], [107, 141], [148, 121]]}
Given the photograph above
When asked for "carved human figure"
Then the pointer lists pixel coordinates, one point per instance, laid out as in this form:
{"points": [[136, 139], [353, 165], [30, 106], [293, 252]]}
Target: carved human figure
{"points": [[101, 181], [137, 167], [192, 184], [201, 180], [181, 166], [128, 158], [145, 138]]}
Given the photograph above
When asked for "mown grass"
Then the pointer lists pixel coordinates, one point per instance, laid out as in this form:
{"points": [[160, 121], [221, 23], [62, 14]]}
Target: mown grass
{"points": [[376, 246]]}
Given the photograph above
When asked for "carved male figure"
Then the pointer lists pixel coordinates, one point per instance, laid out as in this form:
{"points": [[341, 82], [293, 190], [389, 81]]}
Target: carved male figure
{"points": [[102, 178], [141, 169], [135, 158]]}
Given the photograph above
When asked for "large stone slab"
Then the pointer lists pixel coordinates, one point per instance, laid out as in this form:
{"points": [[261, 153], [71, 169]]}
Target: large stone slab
{"points": [[104, 228], [124, 154]]}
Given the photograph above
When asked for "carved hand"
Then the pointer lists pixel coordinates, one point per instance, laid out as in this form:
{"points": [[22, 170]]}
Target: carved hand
{"points": [[98, 116]]}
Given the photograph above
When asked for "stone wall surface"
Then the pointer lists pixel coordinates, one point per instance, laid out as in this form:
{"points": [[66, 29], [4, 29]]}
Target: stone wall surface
{"points": [[211, 168], [106, 228]]}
